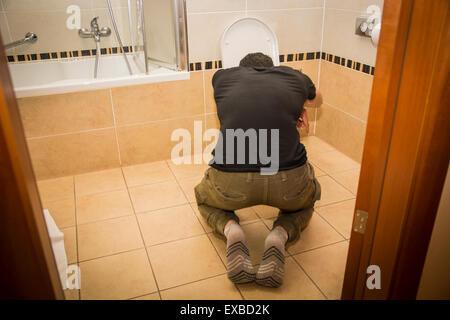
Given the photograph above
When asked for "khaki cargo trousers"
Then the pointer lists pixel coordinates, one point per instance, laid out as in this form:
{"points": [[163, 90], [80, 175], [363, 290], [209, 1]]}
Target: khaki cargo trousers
{"points": [[293, 192]]}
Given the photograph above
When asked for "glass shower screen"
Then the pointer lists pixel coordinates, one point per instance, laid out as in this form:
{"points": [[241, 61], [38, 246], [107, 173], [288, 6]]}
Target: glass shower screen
{"points": [[160, 37]]}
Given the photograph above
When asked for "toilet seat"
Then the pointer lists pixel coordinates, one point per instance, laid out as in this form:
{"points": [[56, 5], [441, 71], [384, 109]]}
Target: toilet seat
{"points": [[245, 36]]}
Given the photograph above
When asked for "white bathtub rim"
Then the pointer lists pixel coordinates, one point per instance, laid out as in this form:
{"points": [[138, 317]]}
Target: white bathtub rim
{"points": [[97, 84]]}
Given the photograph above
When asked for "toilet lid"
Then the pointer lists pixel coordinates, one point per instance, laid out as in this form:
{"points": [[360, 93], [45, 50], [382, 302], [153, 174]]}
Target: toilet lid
{"points": [[245, 36]]}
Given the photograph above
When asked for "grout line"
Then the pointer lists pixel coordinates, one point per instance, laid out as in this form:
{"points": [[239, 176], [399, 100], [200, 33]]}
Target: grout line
{"points": [[320, 63], [140, 231], [204, 101], [315, 284], [76, 236], [69, 133], [115, 124], [327, 222], [346, 113], [341, 183]]}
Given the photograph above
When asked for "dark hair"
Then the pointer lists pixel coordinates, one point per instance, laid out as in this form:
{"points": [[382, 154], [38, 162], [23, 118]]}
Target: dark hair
{"points": [[256, 59]]}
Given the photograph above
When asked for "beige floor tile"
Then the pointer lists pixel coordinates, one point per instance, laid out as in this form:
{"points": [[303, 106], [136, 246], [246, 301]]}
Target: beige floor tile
{"points": [[108, 237], [56, 189], [120, 276], [318, 233], [340, 215], [147, 173], [255, 233], [72, 294], [317, 171], [296, 286], [70, 244], [333, 162], [99, 181], [326, 267], [216, 288], [157, 196], [200, 218], [332, 192], [188, 186], [348, 179], [169, 224], [101, 206], [183, 171], [266, 212], [152, 296], [180, 262], [315, 145], [246, 216], [62, 211]]}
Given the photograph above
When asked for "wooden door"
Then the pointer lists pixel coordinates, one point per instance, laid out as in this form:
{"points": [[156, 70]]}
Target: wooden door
{"points": [[27, 265], [406, 152]]}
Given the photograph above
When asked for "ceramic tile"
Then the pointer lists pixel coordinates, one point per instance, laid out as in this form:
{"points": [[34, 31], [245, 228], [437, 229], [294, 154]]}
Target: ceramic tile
{"points": [[100, 181], [326, 267], [72, 154], [157, 196], [70, 244], [216, 288], [332, 192], [340, 216], [108, 237], [56, 189], [120, 276], [169, 224], [318, 233], [101, 206], [147, 173], [190, 260], [333, 161], [66, 113], [348, 179], [159, 101], [344, 132], [62, 211]]}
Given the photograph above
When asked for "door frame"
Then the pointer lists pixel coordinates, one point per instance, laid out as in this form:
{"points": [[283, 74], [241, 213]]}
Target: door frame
{"points": [[406, 152], [28, 269]]}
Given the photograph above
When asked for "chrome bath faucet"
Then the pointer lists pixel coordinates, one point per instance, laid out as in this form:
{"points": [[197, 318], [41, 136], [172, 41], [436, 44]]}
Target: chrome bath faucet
{"points": [[95, 31]]}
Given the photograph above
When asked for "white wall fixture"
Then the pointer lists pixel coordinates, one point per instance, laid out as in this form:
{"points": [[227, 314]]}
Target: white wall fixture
{"points": [[370, 25]]}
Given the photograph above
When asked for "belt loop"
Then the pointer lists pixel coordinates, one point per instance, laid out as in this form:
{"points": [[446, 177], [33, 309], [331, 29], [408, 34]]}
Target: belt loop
{"points": [[283, 176], [249, 177]]}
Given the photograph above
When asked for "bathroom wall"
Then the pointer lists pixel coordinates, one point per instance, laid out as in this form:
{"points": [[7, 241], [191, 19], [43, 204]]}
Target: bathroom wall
{"points": [[80, 132], [346, 76], [47, 18]]}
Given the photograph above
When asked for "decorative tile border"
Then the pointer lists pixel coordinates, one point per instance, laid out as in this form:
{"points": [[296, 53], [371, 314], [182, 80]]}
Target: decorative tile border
{"points": [[66, 54], [348, 63], [195, 66]]}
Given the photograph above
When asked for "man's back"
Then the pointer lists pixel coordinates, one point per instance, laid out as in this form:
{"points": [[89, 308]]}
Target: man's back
{"points": [[258, 99]]}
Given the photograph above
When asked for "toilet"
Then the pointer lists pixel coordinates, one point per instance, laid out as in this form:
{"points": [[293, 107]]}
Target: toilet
{"points": [[245, 36]]}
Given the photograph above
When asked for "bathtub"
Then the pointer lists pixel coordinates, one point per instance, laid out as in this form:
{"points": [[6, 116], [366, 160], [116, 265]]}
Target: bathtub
{"points": [[62, 76]]}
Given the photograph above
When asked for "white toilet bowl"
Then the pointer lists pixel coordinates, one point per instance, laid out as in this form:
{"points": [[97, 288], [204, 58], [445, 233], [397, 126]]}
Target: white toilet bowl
{"points": [[246, 36]]}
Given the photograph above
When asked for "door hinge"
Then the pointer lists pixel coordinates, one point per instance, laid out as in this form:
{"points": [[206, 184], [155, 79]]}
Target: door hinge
{"points": [[360, 221]]}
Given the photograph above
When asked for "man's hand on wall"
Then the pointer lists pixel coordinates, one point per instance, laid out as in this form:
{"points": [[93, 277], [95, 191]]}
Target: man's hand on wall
{"points": [[303, 121]]}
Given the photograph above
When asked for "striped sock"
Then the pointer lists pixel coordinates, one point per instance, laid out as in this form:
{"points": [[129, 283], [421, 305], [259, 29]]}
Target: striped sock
{"points": [[239, 266], [271, 269]]}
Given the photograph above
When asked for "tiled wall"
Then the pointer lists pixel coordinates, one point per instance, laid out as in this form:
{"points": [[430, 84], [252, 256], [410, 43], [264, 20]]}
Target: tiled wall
{"points": [[79, 132], [297, 24], [47, 18], [342, 119]]}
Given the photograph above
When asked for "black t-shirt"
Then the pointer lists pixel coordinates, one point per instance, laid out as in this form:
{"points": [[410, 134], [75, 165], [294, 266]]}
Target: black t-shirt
{"points": [[260, 98]]}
